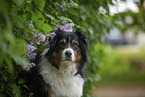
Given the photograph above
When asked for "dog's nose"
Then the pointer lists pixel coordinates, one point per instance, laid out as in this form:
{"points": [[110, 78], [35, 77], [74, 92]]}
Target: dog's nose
{"points": [[68, 53]]}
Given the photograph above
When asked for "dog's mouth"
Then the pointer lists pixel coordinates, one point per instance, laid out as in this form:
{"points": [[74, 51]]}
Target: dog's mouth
{"points": [[68, 59]]}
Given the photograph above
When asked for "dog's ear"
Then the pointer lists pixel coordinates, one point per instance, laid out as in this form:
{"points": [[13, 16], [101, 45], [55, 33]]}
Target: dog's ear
{"points": [[82, 37], [58, 31], [53, 42], [84, 42]]}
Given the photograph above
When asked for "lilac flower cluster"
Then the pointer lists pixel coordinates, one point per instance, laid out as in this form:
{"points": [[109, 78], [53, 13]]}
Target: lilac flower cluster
{"points": [[31, 56], [49, 37], [29, 51], [62, 7], [36, 39], [65, 27]]}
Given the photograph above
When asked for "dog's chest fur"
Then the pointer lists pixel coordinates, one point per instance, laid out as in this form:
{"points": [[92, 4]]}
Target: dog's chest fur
{"points": [[63, 82]]}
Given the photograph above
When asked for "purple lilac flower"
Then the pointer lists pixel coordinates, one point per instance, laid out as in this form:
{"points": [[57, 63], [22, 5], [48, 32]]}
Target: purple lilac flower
{"points": [[46, 44], [53, 34], [28, 2], [28, 68], [32, 65], [48, 37], [31, 55], [26, 36], [66, 27], [64, 22], [30, 48], [29, 51], [61, 7], [41, 37], [37, 38], [30, 25]]}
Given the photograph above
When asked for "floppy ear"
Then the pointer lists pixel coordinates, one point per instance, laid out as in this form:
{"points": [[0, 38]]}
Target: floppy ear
{"points": [[53, 43], [84, 42], [55, 38], [83, 37]]}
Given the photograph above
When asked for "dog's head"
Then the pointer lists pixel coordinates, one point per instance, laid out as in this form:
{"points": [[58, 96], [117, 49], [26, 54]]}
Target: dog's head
{"points": [[68, 47]]}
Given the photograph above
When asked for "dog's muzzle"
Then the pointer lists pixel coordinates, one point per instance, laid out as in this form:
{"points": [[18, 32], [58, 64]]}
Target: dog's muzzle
{"points": [[68, 55]]}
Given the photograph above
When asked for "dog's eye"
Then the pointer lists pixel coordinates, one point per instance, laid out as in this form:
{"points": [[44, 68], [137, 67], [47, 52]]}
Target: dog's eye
{"points": [[61, 44], [75, 45]]}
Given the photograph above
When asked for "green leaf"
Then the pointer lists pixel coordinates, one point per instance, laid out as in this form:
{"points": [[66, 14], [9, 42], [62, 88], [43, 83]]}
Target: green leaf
{"points": [[38, 24], [37, 15], [19, 60], [3, 8], [10, 37], [4, 77], [19, 2], [16, 90], [9, 64], [40, 4], [65, 19], [50, 16], [25, 86], [2, 57], [21, 81], [2, 86], [1, 95], [46, 27]]}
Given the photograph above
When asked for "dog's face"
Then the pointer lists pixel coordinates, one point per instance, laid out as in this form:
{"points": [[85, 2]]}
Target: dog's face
{"points": [[68, 47]]}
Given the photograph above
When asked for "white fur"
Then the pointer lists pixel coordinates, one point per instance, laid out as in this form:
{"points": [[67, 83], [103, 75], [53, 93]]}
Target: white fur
{"points": [[63, 82], [44, 51], [72, 56]]}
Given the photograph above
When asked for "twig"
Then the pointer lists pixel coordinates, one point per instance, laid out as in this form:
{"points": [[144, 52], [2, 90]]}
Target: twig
{"points": [[12, 91]]}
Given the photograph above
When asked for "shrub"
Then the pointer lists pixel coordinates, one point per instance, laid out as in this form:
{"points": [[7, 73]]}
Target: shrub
{"points": [[25, 26]]}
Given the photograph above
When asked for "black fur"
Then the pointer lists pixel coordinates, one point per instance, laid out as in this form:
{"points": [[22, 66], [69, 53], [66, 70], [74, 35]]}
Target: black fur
{"points": [[34, 79]]}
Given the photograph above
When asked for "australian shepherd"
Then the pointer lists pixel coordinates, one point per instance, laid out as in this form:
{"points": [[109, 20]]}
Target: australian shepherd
{"points": [[60, 69]]}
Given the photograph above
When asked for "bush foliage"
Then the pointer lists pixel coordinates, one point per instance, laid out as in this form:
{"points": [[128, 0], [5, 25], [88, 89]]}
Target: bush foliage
{"points": [[15, 15]]}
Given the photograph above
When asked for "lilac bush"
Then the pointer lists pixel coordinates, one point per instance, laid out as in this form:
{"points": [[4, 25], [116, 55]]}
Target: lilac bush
{"points": [[41, 39], [37, 39]]}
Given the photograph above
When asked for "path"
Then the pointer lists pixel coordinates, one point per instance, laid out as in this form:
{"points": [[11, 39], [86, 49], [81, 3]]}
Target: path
{"points": [[119, 91]]}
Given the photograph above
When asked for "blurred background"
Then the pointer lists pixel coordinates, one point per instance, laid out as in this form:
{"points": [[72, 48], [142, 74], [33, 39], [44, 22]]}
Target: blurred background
{"points": [[116, 29], [122, 67]]}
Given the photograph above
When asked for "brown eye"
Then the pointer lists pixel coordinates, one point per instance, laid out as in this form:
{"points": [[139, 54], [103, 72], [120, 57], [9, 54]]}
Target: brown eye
{"points": [[75, 45], [62, 43]]}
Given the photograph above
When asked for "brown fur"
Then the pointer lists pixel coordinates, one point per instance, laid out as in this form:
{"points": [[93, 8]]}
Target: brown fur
{"points": [[48, 90]]}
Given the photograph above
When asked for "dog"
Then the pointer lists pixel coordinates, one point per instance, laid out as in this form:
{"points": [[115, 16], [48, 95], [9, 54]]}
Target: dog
{"points": [[60, 69]]}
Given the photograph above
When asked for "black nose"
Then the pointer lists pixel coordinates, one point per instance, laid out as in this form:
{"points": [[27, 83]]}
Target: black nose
{"points": [[68, 53]]}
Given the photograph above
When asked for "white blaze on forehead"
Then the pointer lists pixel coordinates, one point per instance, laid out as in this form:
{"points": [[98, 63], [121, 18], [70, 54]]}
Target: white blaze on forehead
{"points": [[73, 58], [69, 42]]}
